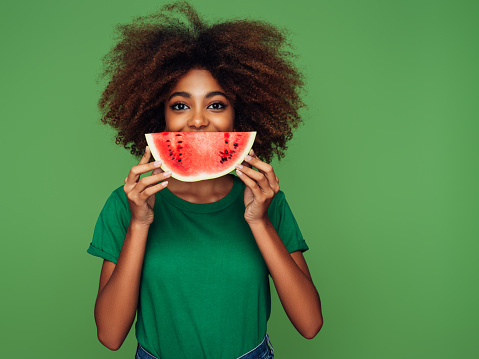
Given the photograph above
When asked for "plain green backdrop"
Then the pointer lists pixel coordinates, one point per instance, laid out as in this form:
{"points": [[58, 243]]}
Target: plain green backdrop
{"points": [[382, 177]]}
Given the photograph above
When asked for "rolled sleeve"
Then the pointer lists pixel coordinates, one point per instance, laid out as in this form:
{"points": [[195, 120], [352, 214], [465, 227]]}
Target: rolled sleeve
{"points": [[111, 227], [285, 224]]}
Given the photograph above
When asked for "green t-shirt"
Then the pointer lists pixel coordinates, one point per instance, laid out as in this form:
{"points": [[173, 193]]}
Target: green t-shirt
{"points": [[204, 290]]}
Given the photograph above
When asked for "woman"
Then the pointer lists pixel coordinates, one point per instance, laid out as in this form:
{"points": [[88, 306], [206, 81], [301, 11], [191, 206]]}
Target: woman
{"points": [[193, 259]]}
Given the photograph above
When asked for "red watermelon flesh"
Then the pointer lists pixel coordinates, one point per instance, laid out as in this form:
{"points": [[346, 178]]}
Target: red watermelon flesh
{"points": [[197, 156]]}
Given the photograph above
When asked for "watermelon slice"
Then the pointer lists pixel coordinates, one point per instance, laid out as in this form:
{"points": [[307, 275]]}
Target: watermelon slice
{"points": [[197, 156]]}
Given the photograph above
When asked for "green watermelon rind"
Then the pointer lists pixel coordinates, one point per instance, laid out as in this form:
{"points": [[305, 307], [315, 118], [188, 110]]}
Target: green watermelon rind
{"points": [[164, 167]]}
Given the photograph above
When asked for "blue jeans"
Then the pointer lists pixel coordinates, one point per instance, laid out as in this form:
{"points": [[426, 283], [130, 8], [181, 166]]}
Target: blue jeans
{"points": [[264, 350]]}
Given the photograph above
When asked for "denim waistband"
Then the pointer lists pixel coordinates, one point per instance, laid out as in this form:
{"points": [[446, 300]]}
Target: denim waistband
{"points": [[259, 352]]}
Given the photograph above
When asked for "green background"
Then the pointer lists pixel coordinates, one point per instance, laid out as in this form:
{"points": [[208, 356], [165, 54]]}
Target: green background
{"points": [[382, 178]]}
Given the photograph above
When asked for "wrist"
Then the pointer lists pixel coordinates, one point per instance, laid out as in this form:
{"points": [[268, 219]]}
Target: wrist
{"points": [[139, 226], [261, 222]]}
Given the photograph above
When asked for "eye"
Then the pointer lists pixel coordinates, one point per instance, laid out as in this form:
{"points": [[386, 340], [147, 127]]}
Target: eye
{"points": [[178, 106], [217, 105]]}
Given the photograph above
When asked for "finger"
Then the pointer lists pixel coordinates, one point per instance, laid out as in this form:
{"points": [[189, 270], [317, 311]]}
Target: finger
{"points": [[244, 163], [146, 156], [157, 170], [143, 167], [136, 171], [145, 164], [147, 182], [265, 168], [143, 161], [258, 177], [154, 189], [252, 184], [255, 175]]}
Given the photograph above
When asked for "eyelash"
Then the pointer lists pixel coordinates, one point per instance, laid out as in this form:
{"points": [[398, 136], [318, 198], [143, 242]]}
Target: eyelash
{"points": [[173, 107], [218, 102]]}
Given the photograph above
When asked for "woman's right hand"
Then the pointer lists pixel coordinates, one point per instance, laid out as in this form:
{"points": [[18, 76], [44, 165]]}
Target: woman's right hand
{"points": [[141, 193]]}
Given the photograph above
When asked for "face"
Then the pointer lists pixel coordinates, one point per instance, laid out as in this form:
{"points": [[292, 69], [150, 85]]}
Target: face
{"points": [[198, 103]]}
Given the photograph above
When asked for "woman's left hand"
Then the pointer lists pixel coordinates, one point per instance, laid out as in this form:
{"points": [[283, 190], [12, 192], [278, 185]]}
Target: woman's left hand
{"points": [[260, 189]]}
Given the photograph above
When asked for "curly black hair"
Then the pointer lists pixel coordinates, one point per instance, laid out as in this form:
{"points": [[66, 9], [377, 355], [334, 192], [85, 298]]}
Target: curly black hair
{"points": [[246, 57]]}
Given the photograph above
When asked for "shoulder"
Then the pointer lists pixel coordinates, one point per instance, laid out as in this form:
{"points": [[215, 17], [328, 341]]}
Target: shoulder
{"points": [[276, 208], [279, 199], [119, 194], [117, 201]]}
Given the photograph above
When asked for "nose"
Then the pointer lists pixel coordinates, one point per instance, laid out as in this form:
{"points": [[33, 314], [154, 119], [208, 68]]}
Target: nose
{"points": [[199, 119]]}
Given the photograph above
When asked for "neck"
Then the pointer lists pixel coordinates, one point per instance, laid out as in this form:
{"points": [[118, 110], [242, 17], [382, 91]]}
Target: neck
{"points": [[206, 191]]}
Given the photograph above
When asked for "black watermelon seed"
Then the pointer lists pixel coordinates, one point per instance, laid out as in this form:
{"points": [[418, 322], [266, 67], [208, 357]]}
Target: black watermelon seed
{"points": [[168, 145], [167, 140], [171, 154], [180, 141], [173, 158], [178, 135], [226, 152], [235, 144], [180, 147], [181, 154], [179, 159], [226, 141]]}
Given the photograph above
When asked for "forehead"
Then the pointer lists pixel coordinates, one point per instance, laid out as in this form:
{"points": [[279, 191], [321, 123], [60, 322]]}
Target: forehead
{"points": [[197, 81]]}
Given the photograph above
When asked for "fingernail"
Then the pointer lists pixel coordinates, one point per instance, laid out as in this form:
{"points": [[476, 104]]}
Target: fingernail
{"points": [[157, 163], [167, 173], [251, 152], [239, 172], [248, 157], [164, 183], [239, 166], [147, 148]]}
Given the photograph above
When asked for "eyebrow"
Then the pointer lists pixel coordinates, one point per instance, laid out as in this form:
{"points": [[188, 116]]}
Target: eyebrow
{"points": [[188, 95]]}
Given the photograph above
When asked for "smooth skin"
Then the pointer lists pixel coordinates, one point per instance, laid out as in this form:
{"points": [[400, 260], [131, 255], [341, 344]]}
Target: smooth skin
{"points": [[198, 103]]}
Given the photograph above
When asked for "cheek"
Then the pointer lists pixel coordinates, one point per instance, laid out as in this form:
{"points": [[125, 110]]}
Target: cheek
{"points": [[231, 114], [171, 121], [228, 121]]}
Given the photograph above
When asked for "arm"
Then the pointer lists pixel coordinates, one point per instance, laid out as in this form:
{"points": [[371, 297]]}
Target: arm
{"points": [[291, 278], [290, 273], [117, 298]]}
